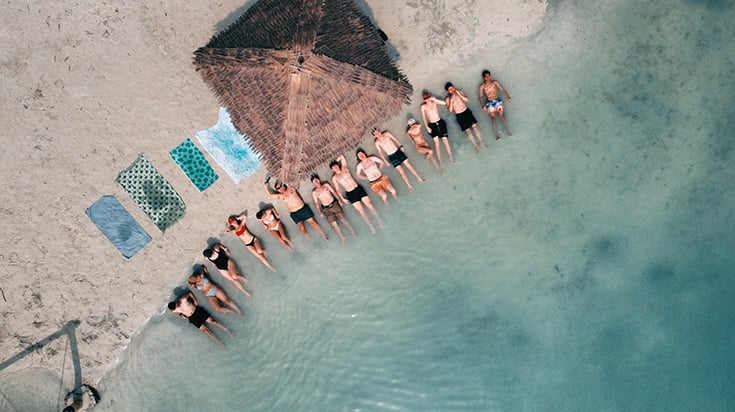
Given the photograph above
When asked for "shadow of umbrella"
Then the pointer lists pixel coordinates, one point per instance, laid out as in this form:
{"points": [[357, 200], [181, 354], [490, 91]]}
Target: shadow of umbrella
{"points": [[305, 80]]}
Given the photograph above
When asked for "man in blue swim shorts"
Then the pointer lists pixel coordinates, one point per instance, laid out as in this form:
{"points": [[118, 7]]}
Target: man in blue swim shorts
{"points": [[490, 100]]}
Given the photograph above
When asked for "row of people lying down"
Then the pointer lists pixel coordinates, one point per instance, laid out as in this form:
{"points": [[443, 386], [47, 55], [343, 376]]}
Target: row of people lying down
{"points": [[328, 198]]}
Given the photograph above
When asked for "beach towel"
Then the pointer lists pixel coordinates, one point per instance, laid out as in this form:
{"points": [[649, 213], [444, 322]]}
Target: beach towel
{"points": [[118, 226], [231, 150], [194, 165], [152, 193]]}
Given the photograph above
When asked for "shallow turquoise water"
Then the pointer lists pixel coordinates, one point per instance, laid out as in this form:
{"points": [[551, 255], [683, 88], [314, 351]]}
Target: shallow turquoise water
{"points": [[583, 264]]}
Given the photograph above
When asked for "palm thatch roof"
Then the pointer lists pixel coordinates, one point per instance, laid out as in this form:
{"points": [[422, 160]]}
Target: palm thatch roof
{"points": [[305, 80]]}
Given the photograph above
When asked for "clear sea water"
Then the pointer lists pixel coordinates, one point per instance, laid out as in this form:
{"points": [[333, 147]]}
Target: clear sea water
{"points": [[583, 264]]}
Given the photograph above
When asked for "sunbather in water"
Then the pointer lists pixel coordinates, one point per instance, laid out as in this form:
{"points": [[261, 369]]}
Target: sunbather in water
{"points": [[220, 256], [271, 221], [236, 225], [201, 281], [188, 307]]}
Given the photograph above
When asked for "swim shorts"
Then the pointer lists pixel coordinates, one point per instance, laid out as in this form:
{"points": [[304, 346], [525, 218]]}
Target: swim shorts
{"points": [[494, 105], [356, 194], [380, 184], [397, 157], [438, 129], [199, 316], [466, 119], [302, 214], [333, 211]]}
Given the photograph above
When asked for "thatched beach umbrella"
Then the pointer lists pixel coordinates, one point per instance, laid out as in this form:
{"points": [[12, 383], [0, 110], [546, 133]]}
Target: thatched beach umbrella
{"points": [[305, 80]]}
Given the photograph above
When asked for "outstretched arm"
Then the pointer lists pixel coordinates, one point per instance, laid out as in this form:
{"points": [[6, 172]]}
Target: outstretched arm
{"points": [[505, 92]]}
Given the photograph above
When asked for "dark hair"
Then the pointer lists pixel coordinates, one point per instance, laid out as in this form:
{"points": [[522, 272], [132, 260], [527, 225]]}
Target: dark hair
{"points": [[484, 72], [358, 151], [259, 215], [315, 176], [172, 305], [426, 95], [334, 163], [207, 253], [448, 85]]}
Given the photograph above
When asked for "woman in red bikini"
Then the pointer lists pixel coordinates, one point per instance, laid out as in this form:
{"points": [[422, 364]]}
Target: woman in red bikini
{"points": [[236, 225]]}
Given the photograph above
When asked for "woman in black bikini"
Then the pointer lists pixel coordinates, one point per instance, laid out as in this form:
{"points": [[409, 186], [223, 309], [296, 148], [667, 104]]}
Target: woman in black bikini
{"points": [[236, 225], [220, 256]]}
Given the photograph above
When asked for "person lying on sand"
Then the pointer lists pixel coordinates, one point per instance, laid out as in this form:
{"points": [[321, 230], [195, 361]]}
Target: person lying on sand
{"points": [[355, 193], [236, 225], [456, 102], [490, 100], [387, 144], [300, 211], [435, 125], [220, 256], [328, 203], [416, 135], [370, 168], [188, 307], [271, 221], [215, 295]]}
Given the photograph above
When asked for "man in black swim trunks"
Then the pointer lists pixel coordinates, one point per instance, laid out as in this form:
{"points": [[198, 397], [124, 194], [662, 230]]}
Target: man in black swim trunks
{"points": [[188, 307], [300, 211], [387, 144], [457, 104], [435, 125]]}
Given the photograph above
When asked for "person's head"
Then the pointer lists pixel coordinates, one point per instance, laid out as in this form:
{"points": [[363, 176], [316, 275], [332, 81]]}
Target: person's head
{"points": [[360, 153], [172, 305], [486, 75], [208, 253], [411, 122], [449, 87], [334, 165], [316, 180], [375, 132], [232, 221], [281, 187], [426, 95], [259, 215]]}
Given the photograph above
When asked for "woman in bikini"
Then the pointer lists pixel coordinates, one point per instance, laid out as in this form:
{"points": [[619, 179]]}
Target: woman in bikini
{"points": [[200, 281], [236, 225], [272, 222], [219, 255]]}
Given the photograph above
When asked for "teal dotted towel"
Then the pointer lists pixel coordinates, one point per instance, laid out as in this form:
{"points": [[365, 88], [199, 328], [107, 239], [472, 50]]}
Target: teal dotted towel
{"points": [[194, 165], [152, 193]]}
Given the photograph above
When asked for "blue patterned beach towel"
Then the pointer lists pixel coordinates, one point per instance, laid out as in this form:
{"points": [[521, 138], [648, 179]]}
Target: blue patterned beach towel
{"points": [[231, 150], [118, 226], [152, 193], [194, 165]]}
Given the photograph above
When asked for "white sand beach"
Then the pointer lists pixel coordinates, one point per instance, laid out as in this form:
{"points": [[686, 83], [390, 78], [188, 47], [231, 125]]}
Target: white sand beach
{"points": [[86, 87]]}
